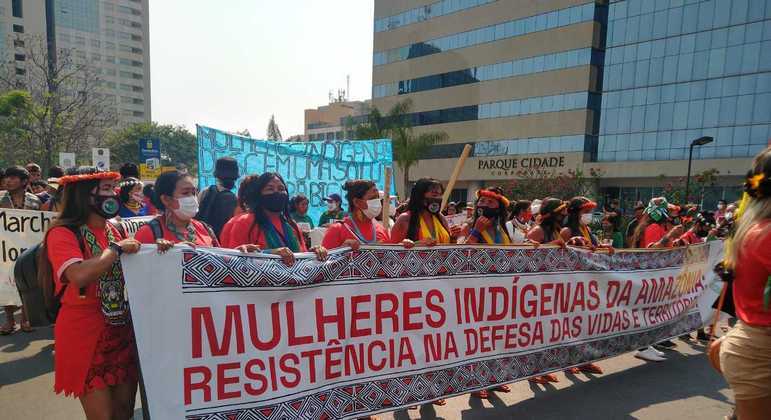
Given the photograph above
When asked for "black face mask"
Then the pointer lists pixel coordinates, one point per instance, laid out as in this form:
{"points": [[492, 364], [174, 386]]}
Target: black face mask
{"points": [[702, 233], [106, 206], [275, 202], [488, 212], [433, 205]]}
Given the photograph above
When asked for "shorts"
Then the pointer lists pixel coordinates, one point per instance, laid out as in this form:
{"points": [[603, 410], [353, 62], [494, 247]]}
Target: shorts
{"points": [[745, 359]]}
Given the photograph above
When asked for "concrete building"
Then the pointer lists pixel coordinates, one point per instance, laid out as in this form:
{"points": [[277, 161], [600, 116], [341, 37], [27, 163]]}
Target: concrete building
{"points": [[112, 35], [622, 86], [328, 122]]}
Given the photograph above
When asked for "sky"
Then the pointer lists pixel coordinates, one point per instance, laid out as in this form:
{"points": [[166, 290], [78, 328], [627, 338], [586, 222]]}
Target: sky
{"points": [[231, 64]]}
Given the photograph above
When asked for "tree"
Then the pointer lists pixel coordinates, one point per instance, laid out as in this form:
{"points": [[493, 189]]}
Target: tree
{"points": [[178, 146], [15, 109], [273, 133], [674, 191], [67, 111], [540, 184], [408, 147], [244, 133]]}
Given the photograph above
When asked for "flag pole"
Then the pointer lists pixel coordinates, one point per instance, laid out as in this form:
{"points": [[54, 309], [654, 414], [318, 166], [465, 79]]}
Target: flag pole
{"points": [[455, 174]]}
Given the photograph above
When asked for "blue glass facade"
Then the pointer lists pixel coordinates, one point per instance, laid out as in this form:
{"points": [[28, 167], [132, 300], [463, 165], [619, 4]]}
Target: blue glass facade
{"points": [[676, 70], [82, 15], [510, 29], [424, 13]]}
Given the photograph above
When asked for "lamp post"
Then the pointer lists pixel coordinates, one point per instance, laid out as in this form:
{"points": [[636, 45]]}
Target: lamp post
{"points": [[701, 141]]}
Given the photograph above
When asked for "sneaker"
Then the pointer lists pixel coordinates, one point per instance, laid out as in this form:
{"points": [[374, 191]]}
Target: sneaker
{"points": [[649, 355], [658, 352]]}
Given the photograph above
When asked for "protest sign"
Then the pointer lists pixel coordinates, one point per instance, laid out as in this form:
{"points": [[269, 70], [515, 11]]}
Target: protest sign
{"points": [[130, 225], [458, 219], [315, 169], [19, 230], [384, 327]]}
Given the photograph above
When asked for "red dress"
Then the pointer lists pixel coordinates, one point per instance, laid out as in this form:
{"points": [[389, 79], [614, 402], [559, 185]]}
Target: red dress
{"points": [[90, 354], [339, 232], [241, 230], [202, 237], [753, 268]]}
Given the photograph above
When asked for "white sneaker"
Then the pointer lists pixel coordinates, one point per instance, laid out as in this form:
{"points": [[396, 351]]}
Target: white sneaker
{"points": [[650, 354], [657, 351]]}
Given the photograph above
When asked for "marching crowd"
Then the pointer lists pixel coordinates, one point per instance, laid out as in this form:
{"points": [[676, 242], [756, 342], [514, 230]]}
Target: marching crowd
{"points": [[95, 352]]}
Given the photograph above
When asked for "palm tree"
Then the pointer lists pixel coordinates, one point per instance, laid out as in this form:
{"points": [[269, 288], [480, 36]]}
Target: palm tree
{"points": [[408, 147]]}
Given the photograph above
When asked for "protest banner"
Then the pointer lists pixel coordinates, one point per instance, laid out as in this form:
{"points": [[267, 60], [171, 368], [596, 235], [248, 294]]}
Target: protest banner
{"points": [[314, 168], [384, 328], [130, 225], [19, 230]]}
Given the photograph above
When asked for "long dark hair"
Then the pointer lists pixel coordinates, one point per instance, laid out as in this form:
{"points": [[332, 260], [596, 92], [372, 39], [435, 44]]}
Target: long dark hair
{"points": [[75, 211], [549, 223], [252, 193], [502, 217], [166, 184], [295, 201], [574, 215], [416, 205], [518, 208], [354, 189]]}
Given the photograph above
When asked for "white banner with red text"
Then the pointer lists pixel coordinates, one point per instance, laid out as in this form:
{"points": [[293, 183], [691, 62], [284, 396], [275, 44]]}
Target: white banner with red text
{"points": [[225, 335]]}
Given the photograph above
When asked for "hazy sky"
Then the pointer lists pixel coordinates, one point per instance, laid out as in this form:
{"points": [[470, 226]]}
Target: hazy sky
{"points": [[230, 64]]}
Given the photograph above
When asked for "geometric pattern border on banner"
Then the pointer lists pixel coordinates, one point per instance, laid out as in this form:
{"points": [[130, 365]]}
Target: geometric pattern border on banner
{"points": [[392, 393], [205, 269]]}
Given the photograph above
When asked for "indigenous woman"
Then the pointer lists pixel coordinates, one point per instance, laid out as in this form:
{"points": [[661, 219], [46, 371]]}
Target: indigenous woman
{"points": [[489, 222], [359, 226], [95, 357], [267, 224], [576, 232], [423, 222], [521, 221], [131, 198], [489, 227], [175, 197], [745, 351], [552, 212]]}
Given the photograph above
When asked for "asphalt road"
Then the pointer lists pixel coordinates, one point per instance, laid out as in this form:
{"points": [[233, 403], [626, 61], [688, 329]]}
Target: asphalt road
{"points": [[684, 387]]}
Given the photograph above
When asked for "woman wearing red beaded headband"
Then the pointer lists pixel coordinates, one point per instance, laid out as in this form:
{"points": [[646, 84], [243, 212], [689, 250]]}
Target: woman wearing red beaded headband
{"points": [[95, 357]]}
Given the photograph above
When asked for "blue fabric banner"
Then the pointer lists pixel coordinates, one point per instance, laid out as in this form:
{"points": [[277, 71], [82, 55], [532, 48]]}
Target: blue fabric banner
{"points": [[315, 169]]}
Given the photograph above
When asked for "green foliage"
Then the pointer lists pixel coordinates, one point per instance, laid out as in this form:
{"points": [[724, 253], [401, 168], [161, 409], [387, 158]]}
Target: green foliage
{"points": [[15, 107], [674, 191], [539, 184], [273, 133], [178, 146], [408, 147]]}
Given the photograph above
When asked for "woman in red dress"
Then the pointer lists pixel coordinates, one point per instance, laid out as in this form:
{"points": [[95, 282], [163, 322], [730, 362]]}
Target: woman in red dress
{"points": [[745, 352], [175, 197], [95, 357], [359, 227], [267, 224]]}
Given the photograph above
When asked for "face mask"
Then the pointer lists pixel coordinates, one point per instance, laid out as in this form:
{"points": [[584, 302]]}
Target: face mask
{"points": [[373, 209], [106, 206], [275, 202], [721, 206], [331, 205], [729, 216], [535, 208], [586, 219], [188, 207], [433, 205], [488, 212], [138, 197]]}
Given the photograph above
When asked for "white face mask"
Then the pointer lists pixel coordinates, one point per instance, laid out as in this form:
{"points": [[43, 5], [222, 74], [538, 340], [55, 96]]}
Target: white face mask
{"points": [[535, 208], [586, 219], [373, 209], [188, 207], [331, 205]]}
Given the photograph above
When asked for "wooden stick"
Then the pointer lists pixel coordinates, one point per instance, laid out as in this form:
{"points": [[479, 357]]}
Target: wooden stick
{"points": [[455, 175], [719, 308], [387, 198]]}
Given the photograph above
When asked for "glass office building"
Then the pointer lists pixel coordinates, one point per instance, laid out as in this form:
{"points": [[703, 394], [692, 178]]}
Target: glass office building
{"points": [[622, 86]]}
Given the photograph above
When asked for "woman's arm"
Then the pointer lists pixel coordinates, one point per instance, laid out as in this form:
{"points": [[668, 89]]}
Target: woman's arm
{"points": [[399, 230], [85, 272]]}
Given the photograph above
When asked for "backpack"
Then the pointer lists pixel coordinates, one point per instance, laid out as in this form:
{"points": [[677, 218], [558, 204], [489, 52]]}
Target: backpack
{"points": [[42, 305], [217, 208], [209, 197]]}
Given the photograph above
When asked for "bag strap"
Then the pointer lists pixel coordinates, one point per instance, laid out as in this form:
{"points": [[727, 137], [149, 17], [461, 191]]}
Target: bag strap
{"points": [[214, 240], [155, 227], [210, 196]]}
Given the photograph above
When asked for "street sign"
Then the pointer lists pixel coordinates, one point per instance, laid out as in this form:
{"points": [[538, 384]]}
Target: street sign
{"points": [[66, 160], [101, 158], [149, 158]]}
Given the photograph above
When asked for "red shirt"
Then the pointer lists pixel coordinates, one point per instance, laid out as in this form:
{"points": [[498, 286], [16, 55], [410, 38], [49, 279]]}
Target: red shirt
{"points": [[691, 238], [202, 237], [241, 230], [339, 232], [63, 251], [653, 233], [752, 268]]}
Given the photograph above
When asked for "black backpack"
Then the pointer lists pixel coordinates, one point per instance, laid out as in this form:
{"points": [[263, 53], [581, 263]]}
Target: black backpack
{"points": [[217, 208], [42, 305]]}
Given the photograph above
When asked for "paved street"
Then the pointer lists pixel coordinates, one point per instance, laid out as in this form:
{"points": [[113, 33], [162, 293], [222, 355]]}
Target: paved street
{"points": [[684, 387]]}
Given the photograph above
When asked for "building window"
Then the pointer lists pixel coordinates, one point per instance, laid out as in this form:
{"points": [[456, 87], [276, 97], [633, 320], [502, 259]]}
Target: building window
{"points": [[19, 57], [19, 29], [17, 43], [16, 8], [20, 72]]}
